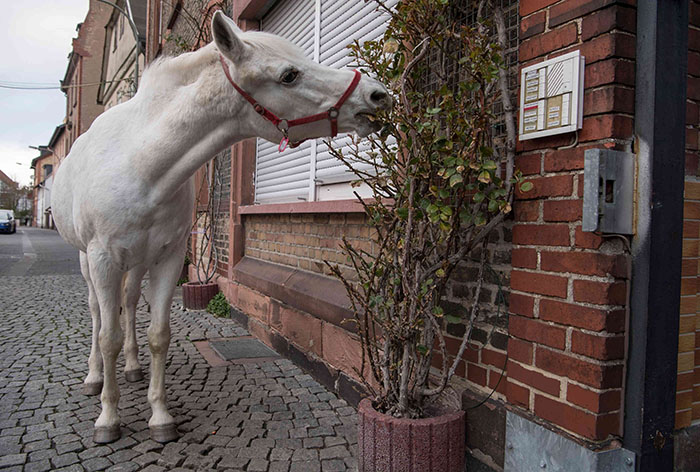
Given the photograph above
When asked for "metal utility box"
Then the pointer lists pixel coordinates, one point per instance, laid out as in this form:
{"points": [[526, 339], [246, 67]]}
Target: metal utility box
{"points": [[608, 191]]}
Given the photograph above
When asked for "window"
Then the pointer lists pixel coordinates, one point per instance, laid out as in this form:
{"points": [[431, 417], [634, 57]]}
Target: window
{"points": [[323, 29], [114, 37]]}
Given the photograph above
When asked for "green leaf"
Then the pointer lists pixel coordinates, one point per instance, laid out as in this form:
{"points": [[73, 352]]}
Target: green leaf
{"points": [[453, 319], [484, 177], [526, 186], [479, 197], [456, 179], [422, 349], [490, 165]]}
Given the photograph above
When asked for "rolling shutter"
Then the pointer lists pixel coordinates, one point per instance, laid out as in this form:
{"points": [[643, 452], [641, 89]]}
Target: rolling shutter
{"points": [[285, 177], [341, 23]]}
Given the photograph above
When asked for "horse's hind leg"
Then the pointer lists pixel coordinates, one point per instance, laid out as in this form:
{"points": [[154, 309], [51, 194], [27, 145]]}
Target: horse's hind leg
{"points": [[107, 281], [132, 292], [93, 381], [162, 283]]}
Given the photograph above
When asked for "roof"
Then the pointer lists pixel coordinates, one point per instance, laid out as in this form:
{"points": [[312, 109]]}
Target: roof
{"points": [[7, 180], [56, 133]]}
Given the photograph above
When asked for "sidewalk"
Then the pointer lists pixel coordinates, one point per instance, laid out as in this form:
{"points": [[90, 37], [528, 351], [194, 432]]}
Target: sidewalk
{"points": [[258, 415]]}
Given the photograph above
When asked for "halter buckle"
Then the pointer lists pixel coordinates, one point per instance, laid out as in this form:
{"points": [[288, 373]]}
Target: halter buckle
{"points": [[283, 126], [333, 113], [259, 109]]}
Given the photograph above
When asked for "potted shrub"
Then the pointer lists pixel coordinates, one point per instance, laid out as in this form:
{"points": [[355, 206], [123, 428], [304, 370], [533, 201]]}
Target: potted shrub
{"points": [[439, 186], [197, 294]]}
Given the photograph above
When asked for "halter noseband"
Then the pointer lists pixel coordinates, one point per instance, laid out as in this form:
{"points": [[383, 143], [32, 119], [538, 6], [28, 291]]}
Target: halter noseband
{"points": [[284, 125]]}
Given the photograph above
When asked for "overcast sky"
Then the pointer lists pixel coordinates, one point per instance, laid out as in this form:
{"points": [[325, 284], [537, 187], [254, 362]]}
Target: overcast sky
{"points": [[36, 39]]}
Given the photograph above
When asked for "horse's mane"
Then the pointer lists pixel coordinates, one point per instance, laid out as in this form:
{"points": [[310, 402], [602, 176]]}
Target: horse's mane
{"points": [[186, 67]]}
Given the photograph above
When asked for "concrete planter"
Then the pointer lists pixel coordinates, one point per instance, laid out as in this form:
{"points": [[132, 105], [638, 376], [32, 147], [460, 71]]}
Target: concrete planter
{"points": [[388, 444], [196, 296]]}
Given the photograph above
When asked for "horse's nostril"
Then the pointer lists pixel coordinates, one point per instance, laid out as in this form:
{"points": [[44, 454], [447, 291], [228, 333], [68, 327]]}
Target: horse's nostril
{"points": [[378, 96]]}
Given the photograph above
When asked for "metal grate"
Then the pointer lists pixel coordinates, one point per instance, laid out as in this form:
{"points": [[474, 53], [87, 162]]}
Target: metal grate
{"points": [[246, 348]]}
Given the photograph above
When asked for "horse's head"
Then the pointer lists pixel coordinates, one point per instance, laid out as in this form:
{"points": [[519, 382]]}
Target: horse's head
{"points": [[278, 76]]}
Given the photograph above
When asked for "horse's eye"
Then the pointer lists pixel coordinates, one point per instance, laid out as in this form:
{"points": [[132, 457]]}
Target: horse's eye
{"points": [[290, 76]]}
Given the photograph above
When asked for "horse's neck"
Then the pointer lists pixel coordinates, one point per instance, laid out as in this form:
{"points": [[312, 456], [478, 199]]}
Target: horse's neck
{"points": [[192, 113]]}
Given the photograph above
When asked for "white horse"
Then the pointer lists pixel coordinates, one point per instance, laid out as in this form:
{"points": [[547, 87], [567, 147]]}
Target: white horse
{"points": [[124, 195]]}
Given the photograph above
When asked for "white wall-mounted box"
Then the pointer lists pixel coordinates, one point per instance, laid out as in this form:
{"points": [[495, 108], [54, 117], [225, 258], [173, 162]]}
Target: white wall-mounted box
{"points": [[551, 96]]}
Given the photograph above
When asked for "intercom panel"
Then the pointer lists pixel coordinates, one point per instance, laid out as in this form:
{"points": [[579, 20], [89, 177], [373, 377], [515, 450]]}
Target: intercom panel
{"points": [[551, 96]]}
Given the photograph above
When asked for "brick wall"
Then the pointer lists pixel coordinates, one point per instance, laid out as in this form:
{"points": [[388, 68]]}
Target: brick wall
{"points": [[304, 241], [688, 382], [568, 288]]}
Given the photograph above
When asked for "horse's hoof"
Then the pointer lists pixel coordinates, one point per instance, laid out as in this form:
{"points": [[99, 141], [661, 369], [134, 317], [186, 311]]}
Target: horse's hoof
{"points": [[92, 388], [164, 433], [135, 375], [106, 434]]}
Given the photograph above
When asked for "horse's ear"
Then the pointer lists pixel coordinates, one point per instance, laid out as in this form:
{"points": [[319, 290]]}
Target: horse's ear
{"points": [[227, 37]]}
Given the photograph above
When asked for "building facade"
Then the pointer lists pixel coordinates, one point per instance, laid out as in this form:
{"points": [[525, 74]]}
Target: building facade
{"points": [[598, 352]]}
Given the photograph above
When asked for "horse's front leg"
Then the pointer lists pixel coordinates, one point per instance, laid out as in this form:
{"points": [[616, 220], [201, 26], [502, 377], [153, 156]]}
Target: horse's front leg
{"points": [[132, 292], [106, 279], [93, 381], [163, 278]]}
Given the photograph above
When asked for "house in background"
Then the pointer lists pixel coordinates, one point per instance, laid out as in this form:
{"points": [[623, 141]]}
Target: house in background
{"points": [[45, 166], [8, 190], [119, 68], [82, 77]]}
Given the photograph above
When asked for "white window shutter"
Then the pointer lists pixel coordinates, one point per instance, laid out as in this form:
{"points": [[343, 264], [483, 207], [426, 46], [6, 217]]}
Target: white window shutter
{"points": [[284, 177], [287, 176], [341, 23]]}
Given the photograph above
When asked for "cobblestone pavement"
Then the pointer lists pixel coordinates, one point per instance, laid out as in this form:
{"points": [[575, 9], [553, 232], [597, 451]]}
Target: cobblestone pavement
{"points": [[259, 416]]}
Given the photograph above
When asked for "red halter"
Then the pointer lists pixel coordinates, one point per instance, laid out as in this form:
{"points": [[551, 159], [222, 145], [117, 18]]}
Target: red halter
{"points": [[284, 125]]}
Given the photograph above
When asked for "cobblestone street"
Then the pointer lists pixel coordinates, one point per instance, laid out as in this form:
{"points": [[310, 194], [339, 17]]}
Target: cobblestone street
{"points": [[263, 415]]}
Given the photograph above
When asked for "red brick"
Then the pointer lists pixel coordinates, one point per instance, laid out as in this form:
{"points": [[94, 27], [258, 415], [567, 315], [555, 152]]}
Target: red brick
{"points": [[556, 186], [527, 210], [611, 71], [575, 420], [597, 402], [517, 395], [541, 284], [528, 164], [565, 159], [587, 240], [605, 348], [562, 210], [606, 126], [582, 317], [693, 88], [521, 304], [600, 293], [520, 350], [497, 381], [570, 9], [694, 14], [476, 374], [691, 139], [691, 229], [692, 163], [548, 42], [594, 375], [693, 63], [541, 235], [524, 258], [531, 6], [603, 21], [558, 140], [585, 263], [537, 331], [607, 46], [608, 100], [494, 358], [534, 379], [693, 39], [692, 114], [685, 381], [532, 25]]}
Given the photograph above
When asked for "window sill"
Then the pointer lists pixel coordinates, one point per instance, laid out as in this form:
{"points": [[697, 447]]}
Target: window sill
{"points": [[336, 206]]}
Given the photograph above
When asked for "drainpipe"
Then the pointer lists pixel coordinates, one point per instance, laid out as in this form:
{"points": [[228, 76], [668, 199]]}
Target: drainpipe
{"points": [[660, 94], [135, 31]]}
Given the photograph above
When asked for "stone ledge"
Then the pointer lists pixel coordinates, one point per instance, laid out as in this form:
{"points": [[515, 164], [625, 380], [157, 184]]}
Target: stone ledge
{"points": [[320, 296]]}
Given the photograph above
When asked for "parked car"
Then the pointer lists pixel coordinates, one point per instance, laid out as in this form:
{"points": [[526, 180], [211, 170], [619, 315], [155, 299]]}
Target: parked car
{"points": [[8, 224]]}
